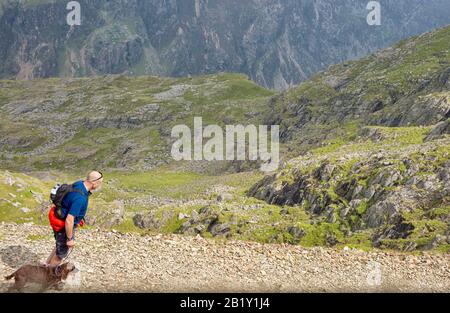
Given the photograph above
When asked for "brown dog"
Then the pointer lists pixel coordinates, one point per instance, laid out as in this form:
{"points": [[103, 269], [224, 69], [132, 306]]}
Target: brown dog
{"points": [[47, 276]]}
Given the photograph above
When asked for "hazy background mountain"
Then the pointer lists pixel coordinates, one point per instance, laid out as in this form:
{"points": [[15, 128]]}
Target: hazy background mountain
{"points": [[277, 43]]}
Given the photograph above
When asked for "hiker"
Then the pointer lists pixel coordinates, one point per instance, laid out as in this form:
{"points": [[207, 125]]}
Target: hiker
{"points": [[73, 208]]}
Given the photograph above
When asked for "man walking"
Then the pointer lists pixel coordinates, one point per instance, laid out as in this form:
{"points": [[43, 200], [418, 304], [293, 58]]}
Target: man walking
{"points": [[74, 208]]}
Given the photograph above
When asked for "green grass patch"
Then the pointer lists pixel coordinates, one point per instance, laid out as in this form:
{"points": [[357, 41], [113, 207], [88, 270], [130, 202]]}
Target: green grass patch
{"points": [[38, 237]]}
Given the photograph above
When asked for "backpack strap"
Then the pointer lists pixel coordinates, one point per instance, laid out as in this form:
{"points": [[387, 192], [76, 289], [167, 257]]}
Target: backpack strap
{"points": [[73, 190], [78, 191]]}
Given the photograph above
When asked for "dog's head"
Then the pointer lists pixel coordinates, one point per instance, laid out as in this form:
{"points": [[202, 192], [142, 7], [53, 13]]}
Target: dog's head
{"points": [[65, 269]]}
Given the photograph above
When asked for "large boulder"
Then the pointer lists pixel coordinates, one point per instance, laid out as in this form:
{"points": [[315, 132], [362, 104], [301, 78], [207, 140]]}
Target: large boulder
{"points": [[146, 221], [205, 220], [439, 130]]}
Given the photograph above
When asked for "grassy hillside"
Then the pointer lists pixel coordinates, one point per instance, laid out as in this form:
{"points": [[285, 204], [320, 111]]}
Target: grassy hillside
{"points": [[114, 121]]}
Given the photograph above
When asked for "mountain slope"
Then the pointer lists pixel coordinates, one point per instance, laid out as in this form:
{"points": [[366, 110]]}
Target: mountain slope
{"points": [[405, 85], [114, 121], [276, 43], [376, 163]]}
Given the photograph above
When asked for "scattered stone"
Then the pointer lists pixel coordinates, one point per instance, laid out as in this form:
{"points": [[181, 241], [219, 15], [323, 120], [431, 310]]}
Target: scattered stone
{"points": [[224, 197], [9, 181], [182, 216]]}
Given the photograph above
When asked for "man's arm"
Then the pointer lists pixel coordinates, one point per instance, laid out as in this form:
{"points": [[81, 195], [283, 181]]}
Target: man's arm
{"points": [[70, 219], [74, 212]]}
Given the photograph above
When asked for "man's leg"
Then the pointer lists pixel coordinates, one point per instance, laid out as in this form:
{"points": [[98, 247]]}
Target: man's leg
{"points": [[61, 250], [55, 261], [50, 257]]}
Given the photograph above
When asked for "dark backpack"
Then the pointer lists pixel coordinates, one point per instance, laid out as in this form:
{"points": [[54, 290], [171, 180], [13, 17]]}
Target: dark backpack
{"points": [[57, 195]]}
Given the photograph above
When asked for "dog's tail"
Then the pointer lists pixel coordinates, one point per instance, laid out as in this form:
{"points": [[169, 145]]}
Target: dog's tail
{"points": [[10, 276]]}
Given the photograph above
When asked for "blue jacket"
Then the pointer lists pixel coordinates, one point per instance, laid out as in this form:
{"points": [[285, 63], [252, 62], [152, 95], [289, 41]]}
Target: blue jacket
{"points": [[76, 203]]}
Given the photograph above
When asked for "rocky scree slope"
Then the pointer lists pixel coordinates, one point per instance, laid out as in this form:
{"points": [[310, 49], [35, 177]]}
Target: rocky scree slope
{"points": [[170, 263]]}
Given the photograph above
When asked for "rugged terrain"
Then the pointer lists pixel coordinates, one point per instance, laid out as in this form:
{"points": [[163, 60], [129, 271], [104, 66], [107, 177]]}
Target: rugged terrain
{"points": [[365, 148], [404, 85], [373, 139], [111, 261], [276, 43], [115, 121]]}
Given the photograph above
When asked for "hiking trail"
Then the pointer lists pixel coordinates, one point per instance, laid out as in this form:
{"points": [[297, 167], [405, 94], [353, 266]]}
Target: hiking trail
{"points": [[110, 261]]}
